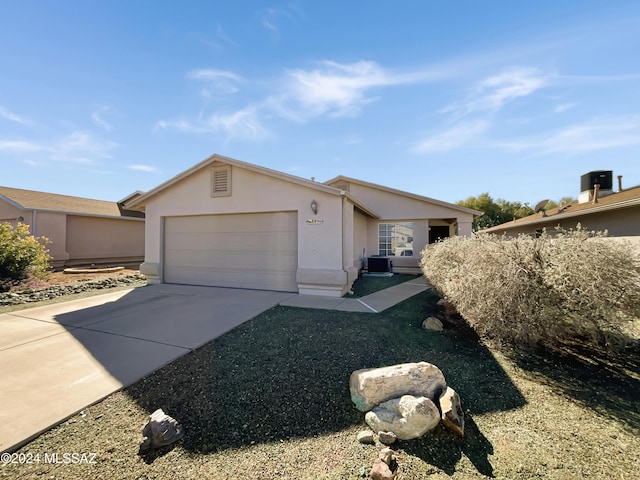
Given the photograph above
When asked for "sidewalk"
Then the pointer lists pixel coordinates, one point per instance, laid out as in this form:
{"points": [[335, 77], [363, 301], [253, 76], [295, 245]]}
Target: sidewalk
{"points": [[374, 303]]}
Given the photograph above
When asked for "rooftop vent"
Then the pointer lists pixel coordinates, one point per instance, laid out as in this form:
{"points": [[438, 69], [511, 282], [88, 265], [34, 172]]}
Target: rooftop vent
{"points": [[603, 178]]}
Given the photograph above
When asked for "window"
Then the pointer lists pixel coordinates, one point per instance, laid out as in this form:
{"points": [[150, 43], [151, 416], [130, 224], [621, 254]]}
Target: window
{"points": [[395, 239], [221, 181]]}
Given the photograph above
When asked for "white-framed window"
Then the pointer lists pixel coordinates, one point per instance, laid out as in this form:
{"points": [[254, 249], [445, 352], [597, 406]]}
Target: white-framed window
{"points": [[395, 239]]}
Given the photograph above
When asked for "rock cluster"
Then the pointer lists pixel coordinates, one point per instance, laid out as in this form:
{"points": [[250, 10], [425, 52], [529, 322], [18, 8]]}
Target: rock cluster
{"points": [[404, 401], [55, 291]]}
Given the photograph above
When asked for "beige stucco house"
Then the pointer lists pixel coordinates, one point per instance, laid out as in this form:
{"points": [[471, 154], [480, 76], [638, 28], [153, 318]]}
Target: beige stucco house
{"points": [[597, 208], [228, 223], [82, 231]]}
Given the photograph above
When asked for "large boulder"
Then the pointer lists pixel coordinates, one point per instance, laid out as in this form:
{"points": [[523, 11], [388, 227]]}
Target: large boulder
{"points": [[371, 386], [452, 413], [407, 417]]}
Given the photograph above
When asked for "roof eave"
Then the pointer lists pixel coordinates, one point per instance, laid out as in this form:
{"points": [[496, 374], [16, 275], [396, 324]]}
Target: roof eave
{"points": [[561, 216], [139, 201], [475, 213]]}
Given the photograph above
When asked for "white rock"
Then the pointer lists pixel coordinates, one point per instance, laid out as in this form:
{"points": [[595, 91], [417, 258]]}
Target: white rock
{"points": [[366, 437], [408, 417], [372, 386], [452, 413], [160, 431], [432, 323]]}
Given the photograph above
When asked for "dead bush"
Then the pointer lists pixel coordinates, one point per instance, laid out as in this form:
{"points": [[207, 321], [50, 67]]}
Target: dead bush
{"points": [[575, 285]]}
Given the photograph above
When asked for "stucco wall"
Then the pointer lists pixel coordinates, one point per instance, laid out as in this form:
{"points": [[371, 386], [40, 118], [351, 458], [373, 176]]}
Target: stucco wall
{"points": [[10, 214], [320, 246], [360, 235], [91, 238]]}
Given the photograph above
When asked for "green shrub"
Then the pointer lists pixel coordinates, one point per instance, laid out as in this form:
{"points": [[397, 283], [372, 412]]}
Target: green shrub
{"points": [[546, 290], [21, 254]]}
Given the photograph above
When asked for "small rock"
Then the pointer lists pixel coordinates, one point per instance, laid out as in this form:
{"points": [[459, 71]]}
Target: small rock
{"points": [[387, 456], [433, 324], [452, 413], [441, 302], [380, 471], [160, 431], [366, 437], [387, 438]]}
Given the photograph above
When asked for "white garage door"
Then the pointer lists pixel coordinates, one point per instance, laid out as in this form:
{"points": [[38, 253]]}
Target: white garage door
{"points": [[256, 250]]}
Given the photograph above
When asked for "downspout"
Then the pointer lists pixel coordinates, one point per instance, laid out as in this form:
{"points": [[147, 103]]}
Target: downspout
{"points": [[33, 223]]}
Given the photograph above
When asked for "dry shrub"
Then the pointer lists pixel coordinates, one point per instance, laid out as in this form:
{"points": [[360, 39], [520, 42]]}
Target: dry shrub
{"points": [[575, 285]]}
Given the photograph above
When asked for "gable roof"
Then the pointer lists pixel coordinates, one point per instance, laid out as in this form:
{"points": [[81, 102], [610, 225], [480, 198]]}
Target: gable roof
{"points": [[341, 178], [626, 198], [53, 202], [139, 201]]}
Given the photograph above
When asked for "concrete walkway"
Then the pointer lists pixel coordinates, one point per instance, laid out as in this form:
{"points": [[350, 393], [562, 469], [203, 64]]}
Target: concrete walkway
{"points": [[58, 359], [374, 303]]}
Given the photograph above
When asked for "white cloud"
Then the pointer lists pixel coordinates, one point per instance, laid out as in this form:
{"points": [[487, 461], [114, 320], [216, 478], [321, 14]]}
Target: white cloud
{"points": [[491, 94], [12, 117], [20, 146], [598, 134], [240, 125], [335, 89], [142, 168], [98, 120], [219, 82], [77, 147], [455, 137], [563, 107]]}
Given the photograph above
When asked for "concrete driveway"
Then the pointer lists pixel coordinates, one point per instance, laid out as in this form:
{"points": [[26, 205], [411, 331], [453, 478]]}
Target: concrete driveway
{"points": [[56, 360]]}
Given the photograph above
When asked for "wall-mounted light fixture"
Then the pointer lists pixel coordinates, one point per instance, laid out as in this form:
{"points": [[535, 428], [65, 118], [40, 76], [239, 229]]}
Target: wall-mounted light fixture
{"points": [[21, 219], [314, 206]]}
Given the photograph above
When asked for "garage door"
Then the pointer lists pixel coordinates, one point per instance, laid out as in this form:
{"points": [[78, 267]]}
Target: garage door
{"points": [[257, 250]]}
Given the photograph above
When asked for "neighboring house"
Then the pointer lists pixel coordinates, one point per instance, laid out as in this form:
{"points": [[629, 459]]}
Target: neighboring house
{"points": [[82, 231], [228, 223], [598, 208]]}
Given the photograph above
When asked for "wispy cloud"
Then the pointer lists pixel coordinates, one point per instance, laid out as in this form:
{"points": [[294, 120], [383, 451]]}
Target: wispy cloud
{"points": [[335, 89], [243, 124], [218, 82], [96, 116], [458, 136], [598, 134], [270, 18], [563, 107], [20, 146], [493, 93], [143, 168], [77, 147], [12, 117]]}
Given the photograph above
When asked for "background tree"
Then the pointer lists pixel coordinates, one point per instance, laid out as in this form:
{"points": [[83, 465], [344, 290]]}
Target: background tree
{"points": [[495, 211]]}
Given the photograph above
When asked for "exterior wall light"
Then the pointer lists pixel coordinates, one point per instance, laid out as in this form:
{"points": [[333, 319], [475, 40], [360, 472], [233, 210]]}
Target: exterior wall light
{"points": [[314, 206], [21, 219]]}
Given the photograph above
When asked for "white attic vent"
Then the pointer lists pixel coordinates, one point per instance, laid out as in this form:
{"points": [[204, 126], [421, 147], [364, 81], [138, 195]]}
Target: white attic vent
{"points": [[221, 181]]}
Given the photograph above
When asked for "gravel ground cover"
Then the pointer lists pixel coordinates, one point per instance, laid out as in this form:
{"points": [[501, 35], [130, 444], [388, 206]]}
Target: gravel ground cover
{"points": [[270, 400]]}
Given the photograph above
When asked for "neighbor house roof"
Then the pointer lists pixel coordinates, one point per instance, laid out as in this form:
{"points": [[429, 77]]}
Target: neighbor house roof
{"points": [[53, 202], [414, 196], [139, 201], [615, 201]]}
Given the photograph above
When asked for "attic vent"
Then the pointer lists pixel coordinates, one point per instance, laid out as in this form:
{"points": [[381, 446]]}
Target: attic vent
{"points": [[221, 181]]}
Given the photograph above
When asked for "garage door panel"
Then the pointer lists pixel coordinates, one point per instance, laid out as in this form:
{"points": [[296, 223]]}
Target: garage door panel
{"points": [[244, 250]]}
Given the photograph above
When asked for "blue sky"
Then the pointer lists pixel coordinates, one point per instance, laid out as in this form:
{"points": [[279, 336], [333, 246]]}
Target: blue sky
{"points": [[444, 99]]}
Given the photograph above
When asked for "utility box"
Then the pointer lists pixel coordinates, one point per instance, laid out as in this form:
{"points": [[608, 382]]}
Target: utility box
{"points": [[378, 264]]}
